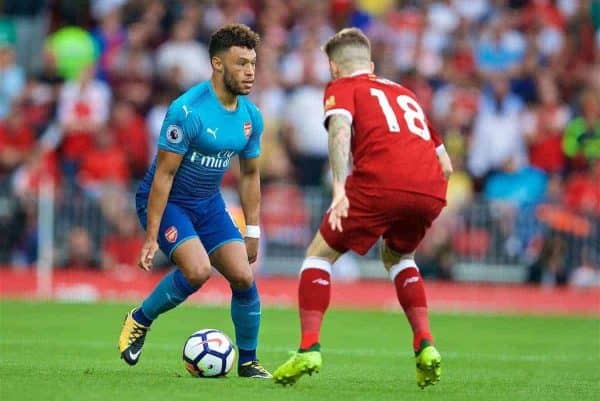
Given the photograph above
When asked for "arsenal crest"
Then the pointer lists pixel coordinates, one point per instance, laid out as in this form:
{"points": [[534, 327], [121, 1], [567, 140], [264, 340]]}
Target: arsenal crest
{"points": [[247, 129], [171, 234]]}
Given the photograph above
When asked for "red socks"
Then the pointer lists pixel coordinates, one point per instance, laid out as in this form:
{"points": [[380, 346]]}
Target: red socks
{"points": [[411, 294], [314, 293]]}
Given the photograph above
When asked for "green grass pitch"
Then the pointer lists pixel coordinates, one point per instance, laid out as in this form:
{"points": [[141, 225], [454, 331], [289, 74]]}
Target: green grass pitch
{"points": [[61, 351]]}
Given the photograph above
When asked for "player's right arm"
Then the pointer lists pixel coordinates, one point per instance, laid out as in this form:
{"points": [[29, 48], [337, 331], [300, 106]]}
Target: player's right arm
{"points": [[173, 143], [339, 113], [167, 164], [340, 135]]}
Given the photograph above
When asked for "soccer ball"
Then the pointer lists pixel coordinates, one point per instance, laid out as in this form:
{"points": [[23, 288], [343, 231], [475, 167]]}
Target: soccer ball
{"points": [[208, 353]]}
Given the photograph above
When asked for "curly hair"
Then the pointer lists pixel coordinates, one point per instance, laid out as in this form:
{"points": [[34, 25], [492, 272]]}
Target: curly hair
{"points": [[232, 35]]}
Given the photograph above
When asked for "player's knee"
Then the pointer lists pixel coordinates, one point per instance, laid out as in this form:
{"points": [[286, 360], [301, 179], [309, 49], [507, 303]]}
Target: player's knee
{"points": [[198, 274], [389, 257], [318, 248], [241, 279]]}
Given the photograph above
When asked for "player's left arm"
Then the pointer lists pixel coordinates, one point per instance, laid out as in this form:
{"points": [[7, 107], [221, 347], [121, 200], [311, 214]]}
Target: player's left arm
{"points": [[249, 184], [445, 162], [340, 135], [249, 190], [441, 152]]}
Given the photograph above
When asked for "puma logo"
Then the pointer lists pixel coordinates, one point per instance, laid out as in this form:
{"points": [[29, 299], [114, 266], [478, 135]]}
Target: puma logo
{"points": [[410, 280], [213, 132], [320, 281]]}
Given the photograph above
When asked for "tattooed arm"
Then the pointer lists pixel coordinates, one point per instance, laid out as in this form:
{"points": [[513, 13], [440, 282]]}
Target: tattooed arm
{"points": [[339, 148], [340, 133]]}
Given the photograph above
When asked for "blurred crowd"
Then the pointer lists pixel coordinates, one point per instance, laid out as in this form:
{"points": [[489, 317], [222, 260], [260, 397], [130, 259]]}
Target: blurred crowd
{"points": [[513, 86]]}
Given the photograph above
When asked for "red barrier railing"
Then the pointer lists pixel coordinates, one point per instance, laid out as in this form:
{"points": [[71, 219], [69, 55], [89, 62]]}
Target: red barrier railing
{"points": [[132, 286]]}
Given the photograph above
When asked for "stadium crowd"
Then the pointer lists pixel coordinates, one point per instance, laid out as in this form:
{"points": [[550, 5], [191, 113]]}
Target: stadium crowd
{"points": [[513, 86]]}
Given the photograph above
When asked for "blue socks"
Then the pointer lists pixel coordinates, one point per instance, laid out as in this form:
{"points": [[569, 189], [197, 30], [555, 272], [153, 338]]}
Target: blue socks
{"points": [[245, 313], [172, 290], [139, 317], [246, 356]]}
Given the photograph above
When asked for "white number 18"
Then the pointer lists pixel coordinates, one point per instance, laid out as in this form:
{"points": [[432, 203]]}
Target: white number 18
{"points": [[412, 114]]}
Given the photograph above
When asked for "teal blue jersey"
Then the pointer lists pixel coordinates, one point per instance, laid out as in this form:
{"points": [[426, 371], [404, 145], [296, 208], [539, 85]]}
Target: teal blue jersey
{"points": [[198, 127]]}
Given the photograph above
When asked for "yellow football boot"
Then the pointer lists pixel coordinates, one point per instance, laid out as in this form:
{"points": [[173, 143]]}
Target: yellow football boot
{"points": [[131, 340]]}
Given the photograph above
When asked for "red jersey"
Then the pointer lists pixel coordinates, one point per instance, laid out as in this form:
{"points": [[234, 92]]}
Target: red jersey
{"points": [[393, 143]]}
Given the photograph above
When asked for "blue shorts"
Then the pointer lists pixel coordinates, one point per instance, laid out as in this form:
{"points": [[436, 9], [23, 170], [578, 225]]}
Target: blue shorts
{"points": [[206, 219]]}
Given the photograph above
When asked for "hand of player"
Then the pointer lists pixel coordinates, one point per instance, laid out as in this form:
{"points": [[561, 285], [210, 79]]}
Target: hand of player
{"points": [[147, 254], [338, 210], [251, 249]]}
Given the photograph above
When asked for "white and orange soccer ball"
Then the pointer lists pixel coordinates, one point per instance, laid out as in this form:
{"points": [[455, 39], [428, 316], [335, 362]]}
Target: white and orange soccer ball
{"points": [[208, 353]]}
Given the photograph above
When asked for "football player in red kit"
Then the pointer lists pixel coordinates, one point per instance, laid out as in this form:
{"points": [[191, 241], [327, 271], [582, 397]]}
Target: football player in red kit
{"points": [[395, 189]]}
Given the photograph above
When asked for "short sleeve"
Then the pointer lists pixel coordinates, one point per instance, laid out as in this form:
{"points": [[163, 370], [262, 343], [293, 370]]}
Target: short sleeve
{"points": [[175, 133], [252, 149], [338, 99]]}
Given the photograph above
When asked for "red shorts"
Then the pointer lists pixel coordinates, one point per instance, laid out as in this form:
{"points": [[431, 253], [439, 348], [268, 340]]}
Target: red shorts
{"points": [[401, 218]]}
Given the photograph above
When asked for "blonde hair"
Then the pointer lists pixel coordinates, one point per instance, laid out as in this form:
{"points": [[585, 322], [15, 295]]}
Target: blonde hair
{"points": [[349, 48]]}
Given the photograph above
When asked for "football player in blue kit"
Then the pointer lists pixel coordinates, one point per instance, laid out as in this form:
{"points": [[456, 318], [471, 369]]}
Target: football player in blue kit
{"points": [[181, 208]]}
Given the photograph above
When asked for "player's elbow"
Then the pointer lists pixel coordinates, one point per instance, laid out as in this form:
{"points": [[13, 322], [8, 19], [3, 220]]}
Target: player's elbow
{"points": [[447, 170], [165, 174], [249, 167], [445, 161], [251, 173]]}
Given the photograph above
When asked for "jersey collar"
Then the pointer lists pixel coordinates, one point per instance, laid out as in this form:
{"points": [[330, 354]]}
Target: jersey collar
{"points": [[360, 72]]}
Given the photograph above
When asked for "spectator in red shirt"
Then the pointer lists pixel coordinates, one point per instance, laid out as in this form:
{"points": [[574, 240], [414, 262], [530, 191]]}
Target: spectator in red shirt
{"points": [[37, 168], [16, 140], [105, 165], [131, 134], [543, 10], [546, 124], [83, 109], [121, 248], [80, 252], [582, 191]]}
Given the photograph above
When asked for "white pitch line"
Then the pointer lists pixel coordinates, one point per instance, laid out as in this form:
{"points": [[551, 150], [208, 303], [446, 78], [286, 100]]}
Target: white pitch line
{"points": [[354, 352]]}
